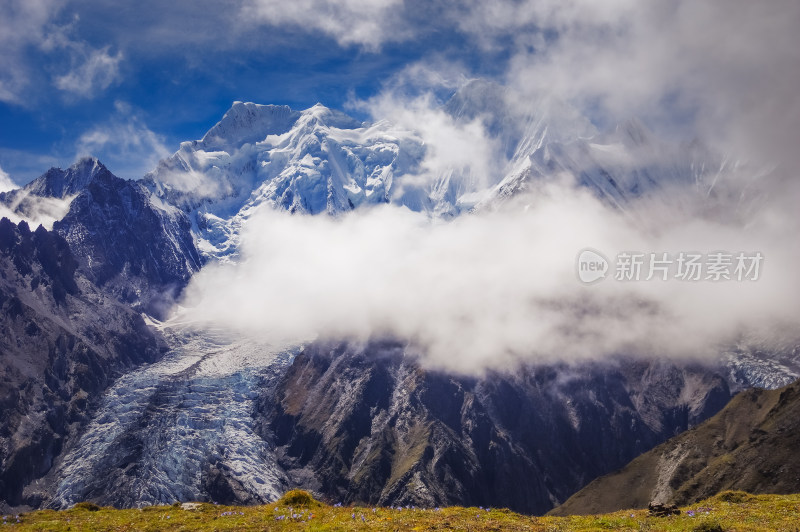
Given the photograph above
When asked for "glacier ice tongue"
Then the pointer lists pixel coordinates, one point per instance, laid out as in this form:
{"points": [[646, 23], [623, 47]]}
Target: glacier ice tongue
{"points": [[169, 431]]}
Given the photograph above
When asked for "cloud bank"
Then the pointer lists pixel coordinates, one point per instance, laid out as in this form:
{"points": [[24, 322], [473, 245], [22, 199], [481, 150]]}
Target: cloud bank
{"points": [[485, 291], [493, 288]]}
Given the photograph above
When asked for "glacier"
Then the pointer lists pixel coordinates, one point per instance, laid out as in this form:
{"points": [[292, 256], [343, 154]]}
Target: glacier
{"points": [[180, 429]]}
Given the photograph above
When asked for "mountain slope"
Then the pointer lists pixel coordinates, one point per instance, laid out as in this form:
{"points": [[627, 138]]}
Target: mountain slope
{"points": [[135, 246], [364, 423], [751, 445], [63, 342], [239, 422]]}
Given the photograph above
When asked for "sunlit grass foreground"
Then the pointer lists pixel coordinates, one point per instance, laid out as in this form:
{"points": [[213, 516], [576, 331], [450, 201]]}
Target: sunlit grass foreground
{"points": [[297, 511]]}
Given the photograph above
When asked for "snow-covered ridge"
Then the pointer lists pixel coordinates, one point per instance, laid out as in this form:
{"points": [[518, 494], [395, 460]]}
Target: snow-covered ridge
{"points": [[247, 123], [315, 161], [321, 161]]}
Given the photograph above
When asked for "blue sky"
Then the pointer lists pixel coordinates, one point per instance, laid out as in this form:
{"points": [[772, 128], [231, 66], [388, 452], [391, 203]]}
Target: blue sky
{"points": [[174, 71], [127, 81]]}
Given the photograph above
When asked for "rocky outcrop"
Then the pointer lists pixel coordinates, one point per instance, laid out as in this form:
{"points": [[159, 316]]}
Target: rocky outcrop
{"points": [[131, 244], [365, 423], [136, 247]]}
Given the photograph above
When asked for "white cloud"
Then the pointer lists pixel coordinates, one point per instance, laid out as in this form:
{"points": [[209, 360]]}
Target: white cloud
{"points": [[35, 45], [483, 291], [731, 67], [450, 145], [368, 23], [94, 71], [37, 210], [6, 183], [124, 143], [197, 183], [22, 25]]}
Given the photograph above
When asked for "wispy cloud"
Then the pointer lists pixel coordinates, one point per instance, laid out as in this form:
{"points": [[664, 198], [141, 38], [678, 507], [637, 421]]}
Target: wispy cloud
{"points": [[124, 143], [93, 71], [22, 25], [35, 47], [6, 183], [368, 23]]}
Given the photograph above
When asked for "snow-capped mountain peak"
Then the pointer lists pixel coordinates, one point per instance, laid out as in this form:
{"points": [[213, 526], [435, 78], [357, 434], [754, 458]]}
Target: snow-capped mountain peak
{"points": [[246, 123], [313, 161], [322, 161]]}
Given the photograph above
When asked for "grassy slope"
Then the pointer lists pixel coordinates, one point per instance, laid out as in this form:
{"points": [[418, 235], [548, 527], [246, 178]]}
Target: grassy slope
{"points": [[728, 511], [751, 445]]}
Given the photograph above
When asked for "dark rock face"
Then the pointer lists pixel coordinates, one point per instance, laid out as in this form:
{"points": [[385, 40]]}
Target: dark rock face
{"points": [[751, 445], [63, 342], [58, 183], [47, 197], [136, 248], [139, 249], [367, 424]]}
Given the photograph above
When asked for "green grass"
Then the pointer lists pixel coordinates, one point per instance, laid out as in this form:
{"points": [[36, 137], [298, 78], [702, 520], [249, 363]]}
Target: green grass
{"points": [[728, 511]]}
